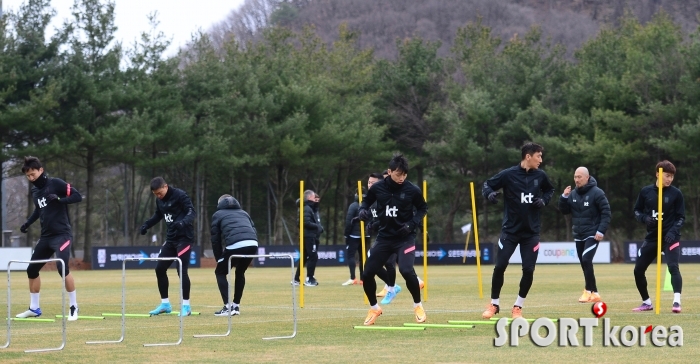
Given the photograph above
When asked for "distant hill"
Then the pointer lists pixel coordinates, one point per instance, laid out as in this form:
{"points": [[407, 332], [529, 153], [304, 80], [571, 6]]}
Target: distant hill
{"points": [[381, 22]]}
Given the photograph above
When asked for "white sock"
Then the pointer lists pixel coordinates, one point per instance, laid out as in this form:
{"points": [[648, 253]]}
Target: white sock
{"points": [[386, 286], [589, 292], [494, 301], [72, 299], [165, 300], [235, 305], [417, 304], [375, 307], [647, 301], [390, 289], [676, 297], [185, 302], [34, 301], [519, 301]]}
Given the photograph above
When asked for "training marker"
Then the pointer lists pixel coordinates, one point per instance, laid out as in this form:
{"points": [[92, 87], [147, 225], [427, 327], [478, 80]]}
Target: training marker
{"points": [[86, 317], [446, 326], [387, 328]]}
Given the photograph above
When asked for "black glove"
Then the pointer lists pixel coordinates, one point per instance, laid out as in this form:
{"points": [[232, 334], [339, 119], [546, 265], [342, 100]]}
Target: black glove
{"points": [[492, 197], [670, 238], [52, 197], [364, 215], [404, 230], [538, 203], [143, 229], [650, 221], [24, 228]]}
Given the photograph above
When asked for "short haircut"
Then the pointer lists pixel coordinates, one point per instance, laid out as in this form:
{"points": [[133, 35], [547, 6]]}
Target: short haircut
{"points": [[31, 163], [667, 167], [398, 163], [377, 175], [157, 183], [308, 193], [223, 197], [530, 149]]}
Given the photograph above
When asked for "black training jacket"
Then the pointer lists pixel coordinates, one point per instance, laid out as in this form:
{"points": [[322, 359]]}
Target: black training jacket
{"points": [[175, 206], [353, 227], [229, 225], [520, 189], [589, 209], [395, 207], [53, 215], [673, 210]]}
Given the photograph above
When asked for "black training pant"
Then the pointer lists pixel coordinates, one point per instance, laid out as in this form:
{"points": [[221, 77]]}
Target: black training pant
{"points": [[310, 258], [180, 250], [380, 253], [529, 249], [45, 248], [646, 255], [354, 245], [586, 251], [241, 265]]}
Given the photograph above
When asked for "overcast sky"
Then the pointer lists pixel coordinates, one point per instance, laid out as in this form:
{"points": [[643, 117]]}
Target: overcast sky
{"points": [[178, 18]]}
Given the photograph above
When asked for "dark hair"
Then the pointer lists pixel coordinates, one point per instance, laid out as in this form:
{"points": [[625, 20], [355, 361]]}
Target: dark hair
{"points": [[376, 175], [530, 149], [157, 183], [667, 166], [31, 163], [398, 163]]}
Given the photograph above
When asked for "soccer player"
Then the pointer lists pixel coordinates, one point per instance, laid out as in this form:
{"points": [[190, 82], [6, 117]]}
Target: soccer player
{"points": [[51, 198], [232, 233], [353, 240], [673, 213], [396, 199], [173, 205], [526, 190], [590, 217]]}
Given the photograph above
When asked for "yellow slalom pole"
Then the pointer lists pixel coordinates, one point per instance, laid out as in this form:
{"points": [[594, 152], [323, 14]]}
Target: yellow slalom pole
{"points": [[425, 244], [476, 242], [466, 246], [301, 244], [362, 236], [659, 216]]}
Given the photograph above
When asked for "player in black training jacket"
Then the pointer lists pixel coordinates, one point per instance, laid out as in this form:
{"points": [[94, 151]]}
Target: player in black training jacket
{"points": [[526, 190], [51, 197], [173, 205], [673, 212], [396, 199]]}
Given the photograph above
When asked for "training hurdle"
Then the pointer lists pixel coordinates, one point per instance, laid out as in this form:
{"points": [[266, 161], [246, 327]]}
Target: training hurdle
{"points": [[230, 298], [63, 303], [121, 339]]}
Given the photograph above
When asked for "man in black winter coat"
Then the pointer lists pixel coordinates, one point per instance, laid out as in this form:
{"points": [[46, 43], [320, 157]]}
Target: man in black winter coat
{"points": [[232, 233], [353, 240], [590, 217], [175, 207], [312, 231]]}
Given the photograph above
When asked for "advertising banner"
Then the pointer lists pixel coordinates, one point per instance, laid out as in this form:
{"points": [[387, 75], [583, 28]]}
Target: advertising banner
{"points": [[690, 251], [111, 257], [7, 254], [564, 253]]}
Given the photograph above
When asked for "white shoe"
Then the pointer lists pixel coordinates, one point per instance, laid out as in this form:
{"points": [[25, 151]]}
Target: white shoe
{"points": [[30, 313], [349, 282], [73, 314]]}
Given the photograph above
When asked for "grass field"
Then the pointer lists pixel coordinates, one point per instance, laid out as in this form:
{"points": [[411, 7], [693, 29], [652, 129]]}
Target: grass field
{"points": [[325, 333]]}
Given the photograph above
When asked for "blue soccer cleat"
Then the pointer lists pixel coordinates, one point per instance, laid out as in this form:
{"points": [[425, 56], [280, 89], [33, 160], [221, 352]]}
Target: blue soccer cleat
{"points": [[186, 310], [162, 308], [30, 313], [391, 295]]}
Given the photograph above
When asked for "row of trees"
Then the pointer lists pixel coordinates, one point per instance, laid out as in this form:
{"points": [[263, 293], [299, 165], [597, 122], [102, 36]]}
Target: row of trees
{"points": [[253, 119]]}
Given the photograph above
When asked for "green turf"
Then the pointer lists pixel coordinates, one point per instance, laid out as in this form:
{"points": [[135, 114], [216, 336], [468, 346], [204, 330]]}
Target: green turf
{"points": [[325, 327]]}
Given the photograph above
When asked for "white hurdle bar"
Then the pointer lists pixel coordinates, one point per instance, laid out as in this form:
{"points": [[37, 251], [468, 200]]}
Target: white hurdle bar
{"points": [[230, 298], [121, 339], [63, 302]]}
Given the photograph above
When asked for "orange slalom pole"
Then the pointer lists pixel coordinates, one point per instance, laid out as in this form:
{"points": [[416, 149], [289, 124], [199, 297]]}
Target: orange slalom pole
{"points": [[659, 216], [362, 235], [476, 242], [301, 244], [425, 244]]}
